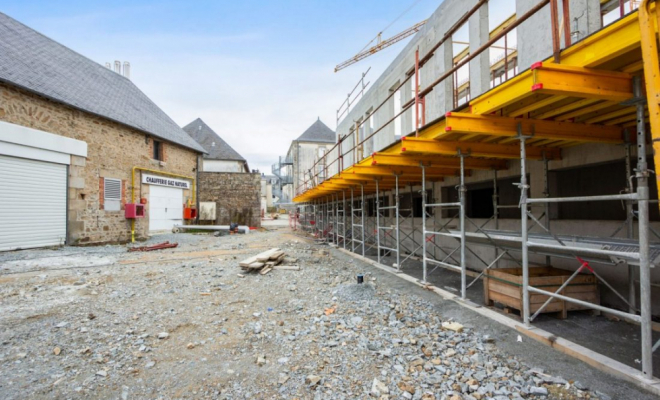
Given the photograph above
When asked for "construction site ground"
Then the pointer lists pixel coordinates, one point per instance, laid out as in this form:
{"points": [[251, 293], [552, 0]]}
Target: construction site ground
{"points": [[605, 334], [100, 322]]}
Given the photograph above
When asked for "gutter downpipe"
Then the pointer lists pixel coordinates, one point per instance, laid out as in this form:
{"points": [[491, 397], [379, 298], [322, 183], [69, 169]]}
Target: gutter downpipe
{"points": [[160, 173]]}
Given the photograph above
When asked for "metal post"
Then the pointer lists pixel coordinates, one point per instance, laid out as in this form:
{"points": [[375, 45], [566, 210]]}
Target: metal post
{"points": [[343, 216], [643, 217], [412, 221], [496, 211], [423, 224], [546, 193], [461, 197], [398, 227], [630, 222], [352, 227], [362, 214], [377, 220], [523, 223]]}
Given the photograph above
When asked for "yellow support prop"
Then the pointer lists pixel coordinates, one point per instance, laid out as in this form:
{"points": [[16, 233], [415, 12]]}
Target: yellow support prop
{"points": [[651, 76]]}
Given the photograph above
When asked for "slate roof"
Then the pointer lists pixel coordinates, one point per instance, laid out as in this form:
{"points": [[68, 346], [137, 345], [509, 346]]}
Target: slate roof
{"points": [[206, 136], [38, 64], [318, 132]]}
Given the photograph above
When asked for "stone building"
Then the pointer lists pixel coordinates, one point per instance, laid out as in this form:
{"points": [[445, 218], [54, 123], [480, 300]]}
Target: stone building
{"points": [[225, 180], [304, 153], [220, 156], [78, 142]]}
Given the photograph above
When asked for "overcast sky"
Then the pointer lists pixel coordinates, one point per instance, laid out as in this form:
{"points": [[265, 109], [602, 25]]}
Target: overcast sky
{"points": [[258, 72]]}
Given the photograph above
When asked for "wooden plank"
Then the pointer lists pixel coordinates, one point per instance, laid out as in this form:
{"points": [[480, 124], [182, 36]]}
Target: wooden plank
{"points": [[265, 270], [276, 255], [265, 256], [287, 268]]}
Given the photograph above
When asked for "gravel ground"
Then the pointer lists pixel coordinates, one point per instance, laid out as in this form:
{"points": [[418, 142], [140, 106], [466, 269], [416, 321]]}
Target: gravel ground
{"points": [[188, 323]]}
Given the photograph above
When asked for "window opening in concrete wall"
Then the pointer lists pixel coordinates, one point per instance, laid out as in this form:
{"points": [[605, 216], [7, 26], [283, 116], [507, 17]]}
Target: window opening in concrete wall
{"points": [[461, 49], [396, 109], [415, 207], [111, 194], [594, 180], [369, 148], [413, 121], [479, 199], [613, 10], [503, 55]]}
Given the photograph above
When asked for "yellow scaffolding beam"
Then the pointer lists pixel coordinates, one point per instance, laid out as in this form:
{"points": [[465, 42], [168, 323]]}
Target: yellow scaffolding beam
{"points": [[508, 127], [430, 146]]}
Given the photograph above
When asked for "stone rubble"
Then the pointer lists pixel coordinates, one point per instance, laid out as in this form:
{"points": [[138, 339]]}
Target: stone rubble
{"points": [[143, 331]]}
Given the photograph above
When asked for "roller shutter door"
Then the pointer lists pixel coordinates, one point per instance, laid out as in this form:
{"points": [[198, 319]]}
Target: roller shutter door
{"points": [[32, 203]]}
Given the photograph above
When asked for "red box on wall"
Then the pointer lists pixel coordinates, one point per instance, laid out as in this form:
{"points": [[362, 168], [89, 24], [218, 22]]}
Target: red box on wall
{"points": [[189, 213], [132, 211]]}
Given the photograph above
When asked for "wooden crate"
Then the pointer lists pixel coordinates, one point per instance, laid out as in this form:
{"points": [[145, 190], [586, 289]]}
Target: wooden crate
{"points": [[504, 286]]}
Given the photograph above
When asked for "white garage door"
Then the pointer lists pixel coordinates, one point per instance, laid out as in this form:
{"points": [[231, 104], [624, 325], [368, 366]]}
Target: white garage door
{"points": [[32, 203], [165, 207]]}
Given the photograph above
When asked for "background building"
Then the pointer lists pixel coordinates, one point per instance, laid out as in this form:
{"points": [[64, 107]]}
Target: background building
{"points": [[225, 181], [302, 158]]}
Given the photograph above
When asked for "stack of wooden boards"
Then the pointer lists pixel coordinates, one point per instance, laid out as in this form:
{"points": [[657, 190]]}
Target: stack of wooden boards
{"points": [[263, 262]]}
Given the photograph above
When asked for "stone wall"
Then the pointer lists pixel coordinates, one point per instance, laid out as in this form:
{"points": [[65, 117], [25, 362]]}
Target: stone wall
{"points": [[237, 195], [113, 150]]}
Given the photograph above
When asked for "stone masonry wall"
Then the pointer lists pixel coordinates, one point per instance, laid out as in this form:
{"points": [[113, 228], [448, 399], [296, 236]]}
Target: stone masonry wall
{"points": [[113, 150], [237, 196]]}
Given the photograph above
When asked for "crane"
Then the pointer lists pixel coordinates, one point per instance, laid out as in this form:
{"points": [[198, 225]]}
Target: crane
{"points": [[380, 45]]}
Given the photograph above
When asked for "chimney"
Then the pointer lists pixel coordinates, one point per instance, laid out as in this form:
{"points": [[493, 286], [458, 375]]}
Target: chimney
{"points": [[108, 66], [127, 69], [118, 67]]}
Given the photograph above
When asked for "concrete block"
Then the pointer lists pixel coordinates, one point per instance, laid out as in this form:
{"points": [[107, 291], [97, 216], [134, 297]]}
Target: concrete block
{"points": [[78, 161], [77, 182]]}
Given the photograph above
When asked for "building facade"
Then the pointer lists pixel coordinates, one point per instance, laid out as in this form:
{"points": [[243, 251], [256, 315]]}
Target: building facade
{"points": [[78, 142], [303, 158]]}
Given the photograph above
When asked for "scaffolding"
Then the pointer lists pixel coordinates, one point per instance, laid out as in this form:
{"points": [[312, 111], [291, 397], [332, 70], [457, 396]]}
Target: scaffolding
{"points": [[574, 83]]}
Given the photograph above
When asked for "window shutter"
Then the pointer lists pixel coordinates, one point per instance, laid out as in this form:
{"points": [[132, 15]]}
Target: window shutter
{"points": [[112, 194]]}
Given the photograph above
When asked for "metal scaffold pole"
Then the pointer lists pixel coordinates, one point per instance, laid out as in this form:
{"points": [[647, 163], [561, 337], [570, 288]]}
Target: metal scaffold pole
{"points": [[630, 223], [423, 224], [643, 217], [352, 223], [398, 227], [546, 194], [461, 196], [362, 215], [343, 216], [523, 222], [377, 220]]}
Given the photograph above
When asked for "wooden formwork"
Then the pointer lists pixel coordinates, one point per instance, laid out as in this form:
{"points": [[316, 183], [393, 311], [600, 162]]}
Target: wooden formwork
{"points": [[504, 286]]}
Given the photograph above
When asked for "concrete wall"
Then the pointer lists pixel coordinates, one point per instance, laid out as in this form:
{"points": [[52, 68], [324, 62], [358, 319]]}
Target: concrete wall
{"points": [[237, 196], [112, 151], [534, 44], [222, 166]]}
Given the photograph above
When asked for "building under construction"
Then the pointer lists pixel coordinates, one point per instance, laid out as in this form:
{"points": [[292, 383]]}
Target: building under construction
{"points": [[517, 171]]}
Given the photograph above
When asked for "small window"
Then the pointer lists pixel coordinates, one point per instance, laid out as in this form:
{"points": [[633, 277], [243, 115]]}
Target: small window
{"points": [[158, 150], [111, 194]]}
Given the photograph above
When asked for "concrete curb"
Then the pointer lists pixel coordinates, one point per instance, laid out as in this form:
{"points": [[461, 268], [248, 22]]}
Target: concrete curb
{"points": [[567, 347]]}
